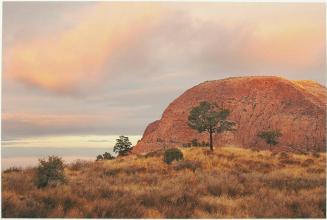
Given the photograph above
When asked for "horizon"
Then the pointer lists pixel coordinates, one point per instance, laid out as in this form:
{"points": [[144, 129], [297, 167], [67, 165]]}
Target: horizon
{"points": [[89, 69]]}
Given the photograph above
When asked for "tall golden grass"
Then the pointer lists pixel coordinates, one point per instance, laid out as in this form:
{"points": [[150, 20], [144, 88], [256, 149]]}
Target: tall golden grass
{"points": [[230, 182]]}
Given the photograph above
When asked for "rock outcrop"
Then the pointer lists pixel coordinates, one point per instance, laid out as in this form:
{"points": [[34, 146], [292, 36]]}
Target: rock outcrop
{"points": [[296, 108]]}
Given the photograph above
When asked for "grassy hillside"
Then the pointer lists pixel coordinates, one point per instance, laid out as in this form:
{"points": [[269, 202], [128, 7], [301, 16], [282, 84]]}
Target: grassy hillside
{"points": [[231, 182]]}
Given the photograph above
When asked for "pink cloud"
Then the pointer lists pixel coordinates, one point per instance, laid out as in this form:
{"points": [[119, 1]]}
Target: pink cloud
{"points": [[62, 61], [289, 37]]}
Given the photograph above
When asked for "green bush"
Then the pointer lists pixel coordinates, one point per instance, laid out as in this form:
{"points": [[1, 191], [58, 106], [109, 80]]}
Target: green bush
{"points": [[172, 154], [99, 157], [108, 156], [105, 156], [50, 171], [194, 142]]}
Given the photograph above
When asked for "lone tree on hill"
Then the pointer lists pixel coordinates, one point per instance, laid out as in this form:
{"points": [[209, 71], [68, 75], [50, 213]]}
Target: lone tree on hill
{"points": [[122, 146], [207, 117], [270, 136]]}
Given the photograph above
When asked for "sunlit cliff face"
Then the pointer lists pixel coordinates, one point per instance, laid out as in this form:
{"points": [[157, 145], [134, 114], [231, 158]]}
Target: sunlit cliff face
{"points": [[110, 68]]}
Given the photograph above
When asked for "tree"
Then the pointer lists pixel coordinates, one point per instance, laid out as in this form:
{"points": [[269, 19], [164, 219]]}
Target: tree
{"points": [[122, 146], [270, 136], [207, 117], [50, 171]]}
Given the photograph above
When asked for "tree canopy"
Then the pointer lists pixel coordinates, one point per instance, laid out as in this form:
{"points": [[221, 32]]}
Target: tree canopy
{"points": [[270, 136], [122, 146], [207, 117]]}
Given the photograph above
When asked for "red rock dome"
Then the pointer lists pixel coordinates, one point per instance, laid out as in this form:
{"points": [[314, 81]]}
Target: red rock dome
{"points": [[296, 108]]}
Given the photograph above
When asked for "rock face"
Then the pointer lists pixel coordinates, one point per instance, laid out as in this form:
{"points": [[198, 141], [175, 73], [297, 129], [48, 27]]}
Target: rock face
{"points": [[296, 108]]}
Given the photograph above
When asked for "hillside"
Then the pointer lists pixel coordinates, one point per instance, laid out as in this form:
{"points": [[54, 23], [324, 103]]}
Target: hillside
{"points": [[296, 108], [230, 182]]}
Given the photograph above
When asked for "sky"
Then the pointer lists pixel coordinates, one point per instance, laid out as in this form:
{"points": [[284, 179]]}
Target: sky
{"points": [[82, 71]]}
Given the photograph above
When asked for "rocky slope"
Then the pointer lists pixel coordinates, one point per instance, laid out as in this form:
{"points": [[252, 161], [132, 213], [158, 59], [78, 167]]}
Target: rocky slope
{"points": [[296, 108]]}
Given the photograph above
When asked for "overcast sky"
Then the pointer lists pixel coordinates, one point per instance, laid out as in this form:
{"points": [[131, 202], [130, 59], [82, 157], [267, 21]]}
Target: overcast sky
{"points": [[112, 68]]}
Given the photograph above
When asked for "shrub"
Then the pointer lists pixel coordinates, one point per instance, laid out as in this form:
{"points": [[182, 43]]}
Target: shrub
{"points": [[187, 145], [50, 171], [12, 169], [105, 156], [172, 154], [108, 156], [283, 155], [99, 157], [204, 144], [195, 142], [307, 162]]}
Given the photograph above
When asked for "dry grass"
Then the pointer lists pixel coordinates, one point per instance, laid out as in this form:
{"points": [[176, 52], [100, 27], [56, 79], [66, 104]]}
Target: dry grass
{"points": [[231, 182]]}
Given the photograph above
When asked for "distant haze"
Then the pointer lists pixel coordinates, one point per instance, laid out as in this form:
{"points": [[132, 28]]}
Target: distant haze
{"points": [[94, 69]]}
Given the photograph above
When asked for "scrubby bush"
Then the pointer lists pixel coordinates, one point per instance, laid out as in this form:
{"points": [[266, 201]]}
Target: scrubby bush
{"points": [[105, 156], [108, 156], [283, 155], [307, 162], [173, 154], [195, 142], [12, 169], [50, 171], [187, 145], [99, 157]]}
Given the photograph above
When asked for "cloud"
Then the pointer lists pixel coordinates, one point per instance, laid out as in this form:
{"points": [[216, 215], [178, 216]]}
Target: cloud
{"points": [[63, 61], [127, 61], [111, 40], [117, 120], [98, 141]]}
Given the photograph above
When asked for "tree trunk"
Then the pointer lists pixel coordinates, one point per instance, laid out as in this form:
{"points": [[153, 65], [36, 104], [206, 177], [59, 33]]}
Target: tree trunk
{"points": [[211, 146]]}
